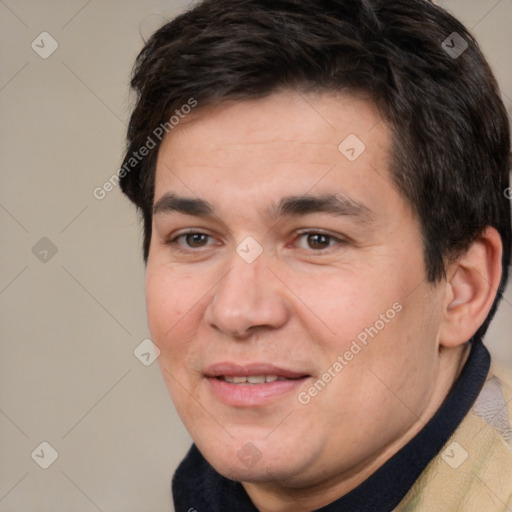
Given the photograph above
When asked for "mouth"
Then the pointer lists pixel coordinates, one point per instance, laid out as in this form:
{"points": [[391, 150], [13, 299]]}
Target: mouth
{"points": [[252, 384], [253, 379]]}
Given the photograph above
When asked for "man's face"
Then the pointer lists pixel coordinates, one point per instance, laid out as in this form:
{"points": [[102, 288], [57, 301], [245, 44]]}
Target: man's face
{"points": [[295, 259]]}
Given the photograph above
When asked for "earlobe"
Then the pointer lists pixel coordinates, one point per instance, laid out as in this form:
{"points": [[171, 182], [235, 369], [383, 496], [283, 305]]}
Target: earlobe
{"points": [[472, 284]]}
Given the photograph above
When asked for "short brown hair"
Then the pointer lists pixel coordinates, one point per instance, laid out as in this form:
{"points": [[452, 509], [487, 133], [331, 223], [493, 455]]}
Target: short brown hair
{"points": [[451, 138]]}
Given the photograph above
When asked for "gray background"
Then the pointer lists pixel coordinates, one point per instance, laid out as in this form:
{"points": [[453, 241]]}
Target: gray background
{"points": [[70, 323]]}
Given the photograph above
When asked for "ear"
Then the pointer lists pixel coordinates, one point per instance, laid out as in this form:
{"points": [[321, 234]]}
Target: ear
{"points": [[471, 287]]}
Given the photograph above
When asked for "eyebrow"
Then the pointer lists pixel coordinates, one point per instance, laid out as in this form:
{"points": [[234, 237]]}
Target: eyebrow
{"points": [[335, 204], [170, 203]]}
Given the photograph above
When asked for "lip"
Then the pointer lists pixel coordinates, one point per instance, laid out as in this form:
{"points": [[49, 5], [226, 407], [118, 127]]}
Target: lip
{"points": [[247, 395], [251, 369]]}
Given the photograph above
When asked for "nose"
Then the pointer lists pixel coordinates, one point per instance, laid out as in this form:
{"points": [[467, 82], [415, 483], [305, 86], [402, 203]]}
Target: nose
{"points": [[247, 299]]}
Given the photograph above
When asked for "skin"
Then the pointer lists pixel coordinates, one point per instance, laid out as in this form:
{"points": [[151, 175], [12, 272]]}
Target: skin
{"points": [[301, 303]]}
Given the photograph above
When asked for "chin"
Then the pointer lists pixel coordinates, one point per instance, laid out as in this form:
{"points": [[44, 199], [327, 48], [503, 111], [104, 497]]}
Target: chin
{"points": [[256, 461]]}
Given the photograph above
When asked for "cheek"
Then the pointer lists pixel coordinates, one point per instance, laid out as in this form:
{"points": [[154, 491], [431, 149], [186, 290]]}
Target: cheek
{"points": [[173, 312], [170, 307], [341, 306], [402, 359]]}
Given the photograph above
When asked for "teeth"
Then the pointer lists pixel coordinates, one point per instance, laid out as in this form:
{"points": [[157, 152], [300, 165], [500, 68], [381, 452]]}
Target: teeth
{"points": [[256, 379], [253, 379]]}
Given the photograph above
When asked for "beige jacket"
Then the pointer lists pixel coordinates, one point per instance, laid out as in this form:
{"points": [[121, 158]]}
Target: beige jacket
{"points": [[473, 472]]}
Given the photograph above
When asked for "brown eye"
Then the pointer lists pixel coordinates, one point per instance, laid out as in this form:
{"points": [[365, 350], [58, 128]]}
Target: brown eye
{"points": [[318, 241], [196, 239]]}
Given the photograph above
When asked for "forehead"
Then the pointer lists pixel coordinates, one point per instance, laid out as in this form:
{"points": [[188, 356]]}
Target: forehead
{"points": [[283, 122], [289, 141]]}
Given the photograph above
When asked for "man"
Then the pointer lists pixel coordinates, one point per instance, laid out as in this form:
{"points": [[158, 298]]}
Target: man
{"points": [[326, 236]]}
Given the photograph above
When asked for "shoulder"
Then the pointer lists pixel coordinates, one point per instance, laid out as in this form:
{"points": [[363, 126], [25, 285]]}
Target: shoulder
{"points": [[473, 471]]}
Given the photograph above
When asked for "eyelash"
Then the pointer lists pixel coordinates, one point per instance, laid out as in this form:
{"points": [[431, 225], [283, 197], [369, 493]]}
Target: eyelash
{"points": [[174, 241], [338, 241]]}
